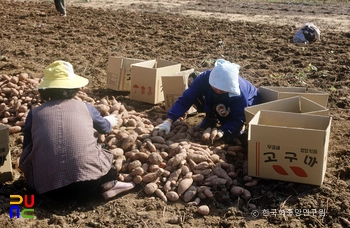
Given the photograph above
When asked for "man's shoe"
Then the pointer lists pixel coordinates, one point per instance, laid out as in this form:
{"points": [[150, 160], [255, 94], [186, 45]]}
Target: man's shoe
{"points": [[117, 189], [108, 185]]}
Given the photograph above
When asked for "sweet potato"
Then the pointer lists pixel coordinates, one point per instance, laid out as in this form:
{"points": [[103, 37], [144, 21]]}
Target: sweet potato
{"points": [[131, 154], [129, 141], [203, 165], [137, 171], [141, 130], [246, 194], [155, 158], [195, 202], [204, 172], [142, 156], [145, 167], [172, 196], [153, 168], [218, 181], [220, 172], [137, 179], [208, 193], [117, 152], [198, 177], [150, 188], [197, 157], [203, 210], [213, 134], [161, 147], [253, 182], [157, 139], [167, 186], [215, 158], [165, 173], [150, 146], [125, 164], [127, 177], [111, 141], [184, 170], [149, 177], [14, 129], [237, 190], [161, 195], [184, 184], [252, 206], [247, 178], [174, 176], [134, 164], [189, 194], [180, 157], [206, 134]]}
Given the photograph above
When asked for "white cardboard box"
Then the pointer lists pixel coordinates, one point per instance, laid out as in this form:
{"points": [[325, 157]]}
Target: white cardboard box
{"points": [[146, 81], [288, 146], [297, 104], [271, 93], [119, 73], [173, 86]]}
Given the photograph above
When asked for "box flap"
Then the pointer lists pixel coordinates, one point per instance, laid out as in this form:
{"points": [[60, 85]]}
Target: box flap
{"points": [[119, 73], [174, 85], [147, 64], [176, 82], [286, 105], [160, 63], [270, 93], [290, 120], [311, 107], [296, 104]]}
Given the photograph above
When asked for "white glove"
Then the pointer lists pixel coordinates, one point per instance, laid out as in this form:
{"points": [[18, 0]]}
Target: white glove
{"points": [[164, 127], [219, 135], [112, 119]]}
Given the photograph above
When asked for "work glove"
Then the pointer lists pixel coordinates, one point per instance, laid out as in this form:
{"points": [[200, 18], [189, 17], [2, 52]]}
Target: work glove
{"points": [[112, 119], [219, 135], [164, 128]]}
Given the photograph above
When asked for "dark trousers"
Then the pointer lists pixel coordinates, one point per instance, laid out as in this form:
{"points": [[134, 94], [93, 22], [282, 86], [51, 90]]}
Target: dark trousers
{"points": [[60, 6], [81, 190]]}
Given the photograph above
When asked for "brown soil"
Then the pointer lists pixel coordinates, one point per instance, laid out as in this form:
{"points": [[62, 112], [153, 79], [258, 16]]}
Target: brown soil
{"points": [[257, 36]]}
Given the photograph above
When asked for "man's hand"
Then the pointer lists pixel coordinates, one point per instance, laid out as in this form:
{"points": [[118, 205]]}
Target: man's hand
{"points": [[164, 128], [112, 119]]}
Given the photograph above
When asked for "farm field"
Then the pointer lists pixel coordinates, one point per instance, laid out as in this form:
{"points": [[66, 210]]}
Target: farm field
{"points": [[257, 35]]}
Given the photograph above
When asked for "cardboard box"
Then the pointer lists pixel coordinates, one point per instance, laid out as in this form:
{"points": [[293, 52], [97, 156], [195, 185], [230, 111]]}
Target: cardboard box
{"points": [[6, 170], [146, 81], [174, 85], [119, 73], [271, 93], [5, 155], [297, 104], [4, 143], [288, 146]]}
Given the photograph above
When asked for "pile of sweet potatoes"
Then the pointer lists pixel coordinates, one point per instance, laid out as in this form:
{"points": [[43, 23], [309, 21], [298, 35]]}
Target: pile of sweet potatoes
{"points": [[185, 164]]}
